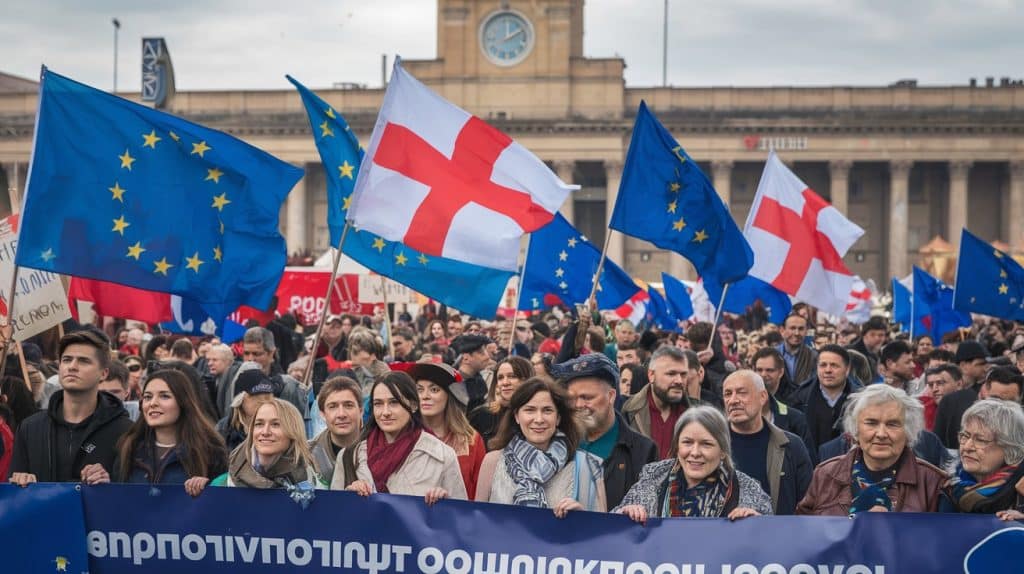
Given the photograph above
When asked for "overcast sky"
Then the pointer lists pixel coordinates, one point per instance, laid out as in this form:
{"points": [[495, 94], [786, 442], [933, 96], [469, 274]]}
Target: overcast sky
{"points": [[234, 44]]}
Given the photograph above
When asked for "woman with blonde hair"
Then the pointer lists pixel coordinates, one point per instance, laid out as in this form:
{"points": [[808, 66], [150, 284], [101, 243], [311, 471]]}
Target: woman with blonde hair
{"points": [[275, 453]]}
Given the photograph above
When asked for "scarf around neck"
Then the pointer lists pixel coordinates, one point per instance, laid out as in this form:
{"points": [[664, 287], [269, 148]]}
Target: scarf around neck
{"points": [[383, 458], [868, 494], [531, 468], [283, 473], [715, 496], [993, 493]]}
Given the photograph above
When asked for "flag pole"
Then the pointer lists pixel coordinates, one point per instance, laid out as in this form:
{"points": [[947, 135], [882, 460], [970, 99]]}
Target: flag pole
{"points": [[327, 307], [718, 311], [10, 314], [600, 267], [387, 317], [519, 297]]}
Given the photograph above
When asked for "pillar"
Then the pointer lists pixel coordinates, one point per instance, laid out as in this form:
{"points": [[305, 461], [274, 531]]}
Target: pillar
{"points": [[1016, 229], [13, 172], [679, 267], [616, 243], [721, 173], [296, 217], [958, 173], [565, 169], [899, 216], [839, 189]]}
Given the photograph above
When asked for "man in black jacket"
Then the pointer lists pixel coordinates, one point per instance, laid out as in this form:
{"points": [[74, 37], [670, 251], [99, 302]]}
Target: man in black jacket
{"points": [[75, 439], [592, 381], [824, 395]]}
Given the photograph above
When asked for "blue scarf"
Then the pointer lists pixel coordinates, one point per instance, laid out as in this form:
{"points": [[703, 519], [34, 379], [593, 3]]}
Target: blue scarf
{"points": [[867, 494]]}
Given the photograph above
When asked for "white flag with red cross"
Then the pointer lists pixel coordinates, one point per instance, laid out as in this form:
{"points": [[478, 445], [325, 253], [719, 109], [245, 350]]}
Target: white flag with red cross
{"points": [[446, 183], [799, 240]]}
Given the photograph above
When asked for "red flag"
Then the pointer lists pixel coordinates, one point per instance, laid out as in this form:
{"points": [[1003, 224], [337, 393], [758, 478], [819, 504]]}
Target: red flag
{"points": [[113, 300]]}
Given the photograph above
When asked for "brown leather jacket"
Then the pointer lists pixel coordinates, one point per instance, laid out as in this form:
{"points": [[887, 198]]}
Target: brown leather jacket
{"points": [[917, 488]]}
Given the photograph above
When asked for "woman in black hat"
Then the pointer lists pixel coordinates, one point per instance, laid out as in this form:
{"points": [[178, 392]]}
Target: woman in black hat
{"points": [[444, 416]]}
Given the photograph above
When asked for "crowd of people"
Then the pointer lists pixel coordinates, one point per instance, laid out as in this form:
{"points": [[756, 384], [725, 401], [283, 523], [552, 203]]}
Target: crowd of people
{"points": [[562, 411]]}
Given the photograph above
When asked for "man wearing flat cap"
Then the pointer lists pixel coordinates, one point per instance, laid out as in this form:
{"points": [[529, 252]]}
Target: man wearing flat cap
{"points": [[592, 381], [472, 358]]}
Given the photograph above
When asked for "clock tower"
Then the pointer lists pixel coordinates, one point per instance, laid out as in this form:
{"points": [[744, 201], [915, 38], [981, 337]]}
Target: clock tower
{"points": [[517, 59]]}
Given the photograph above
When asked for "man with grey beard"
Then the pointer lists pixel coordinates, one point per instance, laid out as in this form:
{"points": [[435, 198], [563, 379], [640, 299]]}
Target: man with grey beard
{"points": [[655, 409]]}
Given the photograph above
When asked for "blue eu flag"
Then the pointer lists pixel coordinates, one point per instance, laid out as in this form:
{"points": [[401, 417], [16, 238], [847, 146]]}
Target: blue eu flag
{"points": [[472, 289], [901, 304], [745, 292], [658, 312], [932, 307], [679, 303], [123, 193], [667, 200], [560, 267], [988, 281]]}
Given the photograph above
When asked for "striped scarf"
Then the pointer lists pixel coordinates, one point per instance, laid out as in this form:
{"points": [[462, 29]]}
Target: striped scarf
{"points": [[710, 498], [867, 494], [993, 493], [531, 468]]}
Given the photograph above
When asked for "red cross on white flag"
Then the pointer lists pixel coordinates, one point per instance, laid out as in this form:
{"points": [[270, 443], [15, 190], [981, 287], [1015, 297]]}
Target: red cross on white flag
{"points": [[799, 240], [446, 183]]}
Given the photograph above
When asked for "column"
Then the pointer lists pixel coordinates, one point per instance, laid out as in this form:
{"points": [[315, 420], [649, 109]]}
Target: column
{"points": [[13, 185], [616, 245], [958, 173], [564, 169], [899, 177], [840, 187], [679, 267], [1016, 204], [295, 230], [721, 174]]}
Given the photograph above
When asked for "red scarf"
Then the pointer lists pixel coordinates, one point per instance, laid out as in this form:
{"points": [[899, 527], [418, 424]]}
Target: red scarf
{"points": [[383, 458]]}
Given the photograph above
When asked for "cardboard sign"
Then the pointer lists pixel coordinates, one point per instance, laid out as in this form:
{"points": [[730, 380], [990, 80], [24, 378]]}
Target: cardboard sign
{"points": [[40, 301]]}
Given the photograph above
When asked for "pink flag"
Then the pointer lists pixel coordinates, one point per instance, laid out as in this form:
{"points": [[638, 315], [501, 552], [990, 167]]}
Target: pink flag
{"points": [[799, 240], [446, 183]]}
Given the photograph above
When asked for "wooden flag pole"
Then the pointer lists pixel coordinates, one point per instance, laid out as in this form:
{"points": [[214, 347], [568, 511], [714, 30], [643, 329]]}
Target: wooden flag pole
{"points": [[24, 367], [327, 308], [519, 297], [387, 317], [10, 314], [600, 267]]}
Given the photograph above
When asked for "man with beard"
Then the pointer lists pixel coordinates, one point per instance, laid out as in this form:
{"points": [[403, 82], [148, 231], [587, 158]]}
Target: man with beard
{"points": [[591, 381], [655, 409]]}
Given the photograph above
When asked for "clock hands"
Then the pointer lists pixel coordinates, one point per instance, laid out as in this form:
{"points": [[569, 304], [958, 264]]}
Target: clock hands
{"points": [[512, 35]]}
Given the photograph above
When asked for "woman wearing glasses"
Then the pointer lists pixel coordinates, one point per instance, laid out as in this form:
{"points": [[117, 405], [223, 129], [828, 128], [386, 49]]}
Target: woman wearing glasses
{"points": [[990, 477]]}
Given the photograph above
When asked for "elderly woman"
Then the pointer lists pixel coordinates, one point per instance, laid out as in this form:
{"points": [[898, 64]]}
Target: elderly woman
{"points": [[990, 477], [880, 473], [700, 480]]}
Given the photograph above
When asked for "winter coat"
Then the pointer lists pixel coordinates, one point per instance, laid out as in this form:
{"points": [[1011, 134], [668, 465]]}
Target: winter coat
{"points": [[430, 464], [632, 451], [652, 488]]}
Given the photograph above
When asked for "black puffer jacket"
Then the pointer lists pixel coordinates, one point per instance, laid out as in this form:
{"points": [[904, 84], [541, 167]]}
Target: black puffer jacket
{"points": [[56, 451], [622, 468]]}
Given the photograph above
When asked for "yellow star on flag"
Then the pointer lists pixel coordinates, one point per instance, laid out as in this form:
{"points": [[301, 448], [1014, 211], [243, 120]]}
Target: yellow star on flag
{"points": [[700, 236], [672, 207], [345, 169], [330, 113], [162, 266], [345, 203], [325, 130], [679, 224], [674, 186], [194, 262], [214, 174], [997, 253], [217, 255], [126, 160], [150, 139], [1003, 289], [135, 251], [118, 192], [219, 202], [120, 224], [422, 259], [47, 255], [572, 242], [1002, 273], [378, 244], [200, 148], [401, 259], [563, 255]]}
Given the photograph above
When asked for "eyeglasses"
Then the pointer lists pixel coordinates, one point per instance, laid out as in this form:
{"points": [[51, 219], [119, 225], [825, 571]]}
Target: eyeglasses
{"points": [[979, 443]]}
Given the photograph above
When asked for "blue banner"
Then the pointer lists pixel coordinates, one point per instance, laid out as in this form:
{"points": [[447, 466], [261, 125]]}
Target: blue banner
{"points": [[156, 530], [42, 529]]}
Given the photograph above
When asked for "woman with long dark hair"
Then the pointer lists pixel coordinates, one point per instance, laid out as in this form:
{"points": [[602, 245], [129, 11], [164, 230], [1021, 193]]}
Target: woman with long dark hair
{"points": [[172, 442], [507, 376], [535, 461], [396, 454]]}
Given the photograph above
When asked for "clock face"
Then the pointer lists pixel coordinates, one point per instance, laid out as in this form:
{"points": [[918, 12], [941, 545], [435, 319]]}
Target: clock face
{"points": [[506, 38]]}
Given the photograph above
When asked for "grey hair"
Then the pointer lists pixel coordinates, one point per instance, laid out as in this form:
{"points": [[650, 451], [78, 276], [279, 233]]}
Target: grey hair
{"points": [[871, 395], [1006, 421], [667, 351], [223, 350], [714, 422], [261, 336], [757, 379]]}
